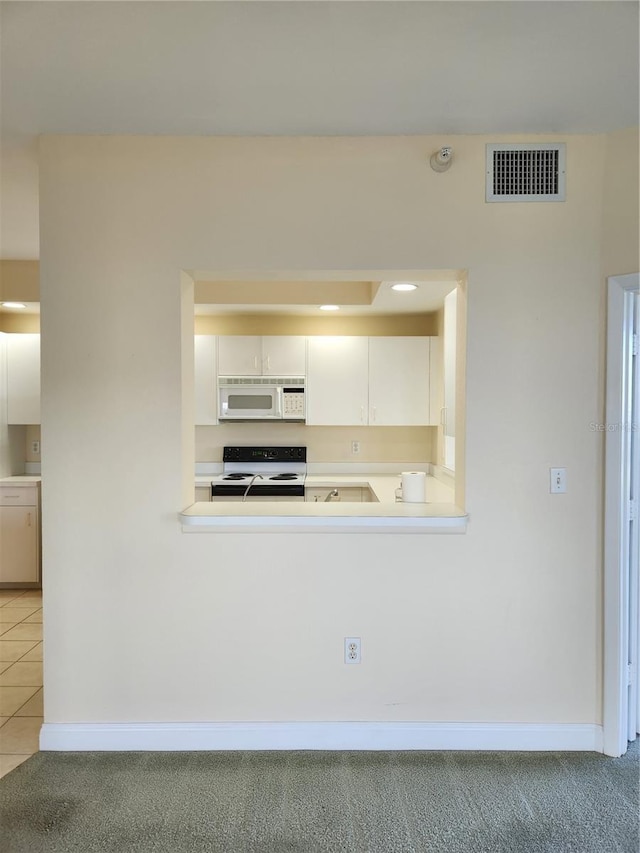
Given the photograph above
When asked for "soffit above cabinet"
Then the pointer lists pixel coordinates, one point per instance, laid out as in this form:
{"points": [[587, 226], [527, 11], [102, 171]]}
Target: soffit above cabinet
{"points": [[304, 298]]}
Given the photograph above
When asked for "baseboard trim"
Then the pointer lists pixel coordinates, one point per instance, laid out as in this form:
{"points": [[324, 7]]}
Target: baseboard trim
{"points": [[316, 736]]}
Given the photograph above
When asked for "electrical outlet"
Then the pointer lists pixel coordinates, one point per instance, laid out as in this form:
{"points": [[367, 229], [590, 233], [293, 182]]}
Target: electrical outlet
{"points": [[35, 447], [558, 481], [355, 447], [352, 650]]}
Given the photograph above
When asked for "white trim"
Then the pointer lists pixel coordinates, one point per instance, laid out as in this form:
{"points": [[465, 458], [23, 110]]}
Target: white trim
{"points": [[326, 524], [330, 736], [616, 503]]}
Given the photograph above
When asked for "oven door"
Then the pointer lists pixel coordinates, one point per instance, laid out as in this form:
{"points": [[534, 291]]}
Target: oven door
{"points": [[250, 403]]}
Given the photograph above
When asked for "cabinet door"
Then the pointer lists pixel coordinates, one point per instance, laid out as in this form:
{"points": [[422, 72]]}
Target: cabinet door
{"points": [[337, 380], [239, 355], [18, 544], [284, 355], [205, 380], [23, 379], [436, 381], [398, 381]]}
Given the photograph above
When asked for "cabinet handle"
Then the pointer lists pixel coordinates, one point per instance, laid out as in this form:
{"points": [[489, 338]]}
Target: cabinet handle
{"points": [[361, 414], [268, 362], [28, 519], [255, 361], [374, 414], [12, 496], [443, 416]]}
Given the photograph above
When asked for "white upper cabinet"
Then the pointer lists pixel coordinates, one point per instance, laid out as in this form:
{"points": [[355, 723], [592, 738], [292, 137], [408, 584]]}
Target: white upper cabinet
{"points": [[256, 355], [23, 379], [239, 355], [378, 381], [204, 379], [284, 355], [399, 381], [337, 388]]}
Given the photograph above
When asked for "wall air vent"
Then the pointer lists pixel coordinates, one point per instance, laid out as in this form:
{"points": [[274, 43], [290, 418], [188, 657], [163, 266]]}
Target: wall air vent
{"points": [[526, 172]]}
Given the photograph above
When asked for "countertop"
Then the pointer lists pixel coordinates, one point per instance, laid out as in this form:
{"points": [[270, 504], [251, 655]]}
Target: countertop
{"points": [[21, 479], [437, 515]]}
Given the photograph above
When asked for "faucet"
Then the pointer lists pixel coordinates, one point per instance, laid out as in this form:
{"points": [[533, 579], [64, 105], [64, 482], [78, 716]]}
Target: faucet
{"points": [[253, 479], [332, 494]]}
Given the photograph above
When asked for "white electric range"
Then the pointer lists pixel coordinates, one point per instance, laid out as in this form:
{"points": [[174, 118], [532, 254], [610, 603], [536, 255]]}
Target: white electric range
{"points": [[261, 474]]}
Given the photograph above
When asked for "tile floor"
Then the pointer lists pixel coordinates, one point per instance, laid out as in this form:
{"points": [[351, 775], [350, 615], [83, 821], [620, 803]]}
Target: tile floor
{"points": [[20, 675]]}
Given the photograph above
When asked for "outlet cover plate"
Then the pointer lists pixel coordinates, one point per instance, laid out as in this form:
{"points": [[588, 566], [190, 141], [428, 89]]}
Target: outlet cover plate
{"points": [[352, 650]]}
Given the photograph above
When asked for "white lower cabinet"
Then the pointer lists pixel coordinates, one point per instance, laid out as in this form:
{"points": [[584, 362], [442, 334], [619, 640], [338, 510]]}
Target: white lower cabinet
{"points": [[19, 534]]}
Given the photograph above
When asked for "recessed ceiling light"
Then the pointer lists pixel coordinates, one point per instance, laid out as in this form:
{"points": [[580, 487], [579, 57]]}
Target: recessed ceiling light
{"points": [[404, 286], [13, 304], [329, 307]]}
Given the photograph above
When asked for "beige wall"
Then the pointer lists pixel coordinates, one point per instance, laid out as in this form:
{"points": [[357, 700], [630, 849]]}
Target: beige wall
{"points": [[502, 623], [32, 433], [19, 281], [620, 210], [247, 324], [324, 444], [20, 323]]}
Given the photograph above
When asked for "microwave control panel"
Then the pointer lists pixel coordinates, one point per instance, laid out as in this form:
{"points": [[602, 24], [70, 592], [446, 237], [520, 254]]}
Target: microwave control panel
{"points": [[293, 403]]}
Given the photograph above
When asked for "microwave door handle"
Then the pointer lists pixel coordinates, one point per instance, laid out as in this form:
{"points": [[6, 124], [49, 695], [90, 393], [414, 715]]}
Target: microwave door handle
{"points": [[279, 402]]}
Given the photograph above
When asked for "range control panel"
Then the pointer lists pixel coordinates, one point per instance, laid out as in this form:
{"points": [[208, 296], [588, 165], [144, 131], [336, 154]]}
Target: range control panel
{"points": [[264, 454]]}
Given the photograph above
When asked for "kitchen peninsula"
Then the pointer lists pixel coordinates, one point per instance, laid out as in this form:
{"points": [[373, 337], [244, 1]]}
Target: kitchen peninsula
{"points": [[381, 513]]}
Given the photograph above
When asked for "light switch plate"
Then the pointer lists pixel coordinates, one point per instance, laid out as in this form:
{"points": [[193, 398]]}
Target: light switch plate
{"points": [[558, 481]]}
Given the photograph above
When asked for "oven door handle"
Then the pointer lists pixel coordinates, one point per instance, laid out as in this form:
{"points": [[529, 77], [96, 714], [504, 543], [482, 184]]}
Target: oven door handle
{"points": [[278, 402]]}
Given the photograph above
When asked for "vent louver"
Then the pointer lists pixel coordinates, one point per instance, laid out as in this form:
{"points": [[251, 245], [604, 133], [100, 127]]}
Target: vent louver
{"points": [[526, 172], [261, 380]]}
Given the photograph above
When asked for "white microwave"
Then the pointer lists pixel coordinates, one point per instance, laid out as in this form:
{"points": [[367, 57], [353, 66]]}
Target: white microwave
{"points": [[254, 398]]}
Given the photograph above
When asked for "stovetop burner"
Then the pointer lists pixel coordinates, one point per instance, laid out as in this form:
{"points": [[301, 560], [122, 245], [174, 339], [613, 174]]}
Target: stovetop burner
{"points": [[285, 477], [236, 476]]}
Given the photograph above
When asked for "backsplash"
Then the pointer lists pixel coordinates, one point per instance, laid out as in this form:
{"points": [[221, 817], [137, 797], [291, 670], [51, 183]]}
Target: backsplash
{"points": [[32, 435], [324, 444]]}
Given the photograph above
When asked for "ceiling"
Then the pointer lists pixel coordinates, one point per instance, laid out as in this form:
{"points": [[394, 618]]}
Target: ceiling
{"points": [[354, 298], [304, 68]]}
